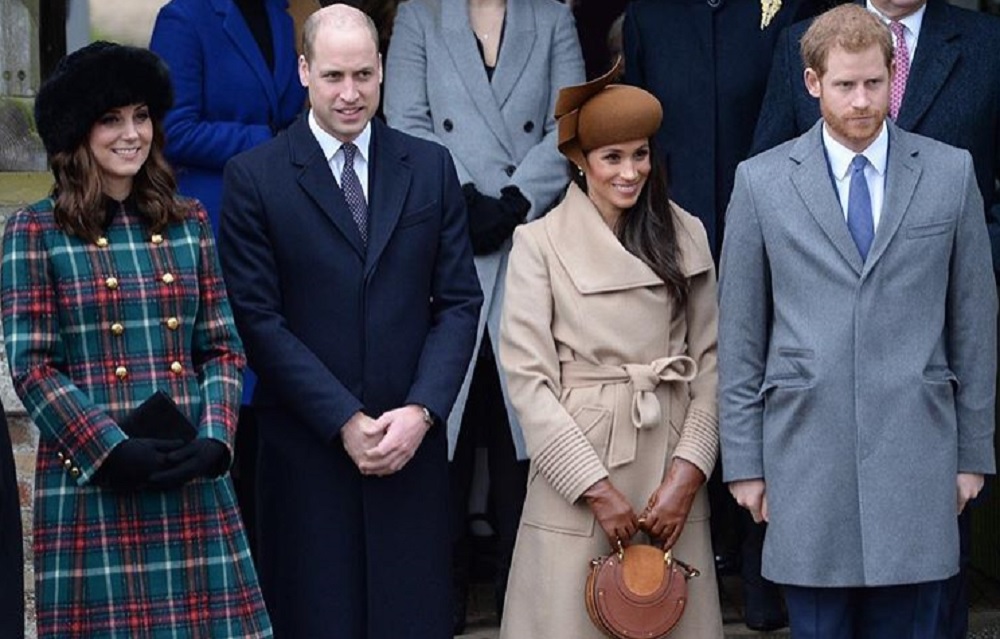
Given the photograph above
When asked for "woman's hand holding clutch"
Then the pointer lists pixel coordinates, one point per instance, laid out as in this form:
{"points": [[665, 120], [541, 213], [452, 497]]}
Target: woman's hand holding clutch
{"points": [[613, 512], [130, 464]]}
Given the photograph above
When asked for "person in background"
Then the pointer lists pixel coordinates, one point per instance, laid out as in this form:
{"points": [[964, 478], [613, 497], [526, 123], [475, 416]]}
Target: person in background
{"points": [[11, 549], [946, 86], [608, 342], [481, 78], [232, 66], [857, 349], [707, 61], [111, 293], [345, 245]]}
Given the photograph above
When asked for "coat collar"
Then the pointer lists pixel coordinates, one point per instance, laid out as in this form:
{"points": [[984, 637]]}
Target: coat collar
{"points": [[594, 258], [515, 51], [386, 195], [282, 34], [810, 176], [935, 58]]}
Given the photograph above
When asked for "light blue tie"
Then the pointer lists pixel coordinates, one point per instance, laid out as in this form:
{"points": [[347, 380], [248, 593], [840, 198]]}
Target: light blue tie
{"points": [[859, 207]]}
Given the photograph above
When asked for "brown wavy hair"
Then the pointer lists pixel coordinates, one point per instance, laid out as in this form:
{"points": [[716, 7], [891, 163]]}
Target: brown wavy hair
{"points": [[648, 229], [79, 191]]}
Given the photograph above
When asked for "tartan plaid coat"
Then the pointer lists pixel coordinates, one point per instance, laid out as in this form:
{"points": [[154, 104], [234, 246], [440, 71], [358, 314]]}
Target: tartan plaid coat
{"points": [[92, 330]]}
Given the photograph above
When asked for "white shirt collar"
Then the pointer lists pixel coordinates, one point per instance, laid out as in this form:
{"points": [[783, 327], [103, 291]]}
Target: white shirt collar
{"points": [[331, 145], [912, 22], [840, 156]]}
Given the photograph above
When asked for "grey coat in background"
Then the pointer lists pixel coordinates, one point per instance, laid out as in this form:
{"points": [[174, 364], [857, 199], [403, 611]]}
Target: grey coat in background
{"points": [[857, 391], [499, 133]]}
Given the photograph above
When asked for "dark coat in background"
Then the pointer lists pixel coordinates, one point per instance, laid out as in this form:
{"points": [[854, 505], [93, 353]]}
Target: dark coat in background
{"points": [[952, 95], [707, 61], [333, 328], [11, 550]]}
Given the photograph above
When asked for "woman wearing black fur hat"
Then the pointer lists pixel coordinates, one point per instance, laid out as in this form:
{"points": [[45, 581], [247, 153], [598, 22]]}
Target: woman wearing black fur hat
{"points": [[111, 296]]}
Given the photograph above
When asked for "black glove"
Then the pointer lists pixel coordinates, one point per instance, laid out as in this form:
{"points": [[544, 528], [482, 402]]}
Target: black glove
{"points": [[493, 220], [130, 464], [201, 457]]}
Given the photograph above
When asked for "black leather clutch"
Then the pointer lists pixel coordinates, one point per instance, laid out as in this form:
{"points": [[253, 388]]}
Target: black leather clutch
{"points": [[158, 418]]}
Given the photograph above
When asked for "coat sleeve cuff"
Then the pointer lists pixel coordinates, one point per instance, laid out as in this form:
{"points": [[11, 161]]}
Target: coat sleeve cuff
{"points": [[699, 443], [570, 464]]}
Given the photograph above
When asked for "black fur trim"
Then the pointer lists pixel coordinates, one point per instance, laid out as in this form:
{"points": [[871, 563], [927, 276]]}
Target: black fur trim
{"points": [[89, 82]]}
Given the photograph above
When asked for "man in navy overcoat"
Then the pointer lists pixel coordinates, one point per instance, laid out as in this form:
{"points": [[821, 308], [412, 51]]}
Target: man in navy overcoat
{"points": [[345, 249]]}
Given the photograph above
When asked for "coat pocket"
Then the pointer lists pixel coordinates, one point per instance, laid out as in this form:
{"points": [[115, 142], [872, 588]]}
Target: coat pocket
{"points": [[544, 507], [928, 230]]}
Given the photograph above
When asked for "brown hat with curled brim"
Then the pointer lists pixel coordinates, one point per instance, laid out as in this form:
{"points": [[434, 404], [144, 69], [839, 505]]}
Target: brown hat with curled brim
{"points": [[599, 113]]}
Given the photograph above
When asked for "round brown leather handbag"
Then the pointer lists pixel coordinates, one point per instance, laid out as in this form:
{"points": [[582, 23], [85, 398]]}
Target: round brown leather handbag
{"points": [[638, 592]]}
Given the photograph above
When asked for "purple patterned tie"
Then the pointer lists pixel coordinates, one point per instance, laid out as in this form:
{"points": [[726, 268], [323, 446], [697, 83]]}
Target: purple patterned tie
{"points": [[353, 193], [901, 57]]}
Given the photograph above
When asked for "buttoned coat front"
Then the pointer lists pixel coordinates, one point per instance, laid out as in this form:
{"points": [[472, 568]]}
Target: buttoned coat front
{"points": [[610, 378], [857, 390], [500, 132], [91, 330]]}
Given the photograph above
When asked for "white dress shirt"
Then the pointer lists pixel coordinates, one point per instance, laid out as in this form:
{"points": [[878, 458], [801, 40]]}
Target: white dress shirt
{"points": [[911, 26], [840, 158], [335, 157]]}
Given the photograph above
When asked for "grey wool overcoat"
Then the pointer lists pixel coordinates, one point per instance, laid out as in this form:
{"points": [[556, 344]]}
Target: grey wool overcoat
{"points": [[857, 390], [501, 132]]}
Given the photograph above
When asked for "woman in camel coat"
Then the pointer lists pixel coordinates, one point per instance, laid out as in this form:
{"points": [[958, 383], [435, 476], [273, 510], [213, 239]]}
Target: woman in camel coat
{"points": [[609, 351]]}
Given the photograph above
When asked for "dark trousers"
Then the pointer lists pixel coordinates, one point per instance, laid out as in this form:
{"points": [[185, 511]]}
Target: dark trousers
{"points": [[484, 423], [244, 473], [11, 550], [889, 612], [954, 612]]}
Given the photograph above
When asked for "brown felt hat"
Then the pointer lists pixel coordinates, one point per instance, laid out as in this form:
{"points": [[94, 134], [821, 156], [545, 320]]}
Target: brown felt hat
{"points": [[599, 113]]}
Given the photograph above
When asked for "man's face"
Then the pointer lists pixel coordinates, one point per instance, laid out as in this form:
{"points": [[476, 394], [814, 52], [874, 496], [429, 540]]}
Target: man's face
{"points": [[343, 80], [853, 95], [896, 9]]}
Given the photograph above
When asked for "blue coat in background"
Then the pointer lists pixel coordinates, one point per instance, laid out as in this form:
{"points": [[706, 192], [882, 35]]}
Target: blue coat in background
{"points": [[226, 100]]}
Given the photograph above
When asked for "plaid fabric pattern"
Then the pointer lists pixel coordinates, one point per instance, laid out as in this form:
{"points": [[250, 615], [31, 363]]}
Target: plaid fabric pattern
{"points": [[83, 351]]}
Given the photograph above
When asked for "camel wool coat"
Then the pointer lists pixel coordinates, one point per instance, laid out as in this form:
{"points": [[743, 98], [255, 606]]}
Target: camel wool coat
{"points": [[609, 378]]}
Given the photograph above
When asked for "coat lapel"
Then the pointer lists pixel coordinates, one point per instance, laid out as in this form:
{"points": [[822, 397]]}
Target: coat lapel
{"points": [[389, 176], [242, 40], [461, 45], [283, 35], [515, 49], [936, 56], [318, 182], [812, 181], [579, 236], [901, 176]]}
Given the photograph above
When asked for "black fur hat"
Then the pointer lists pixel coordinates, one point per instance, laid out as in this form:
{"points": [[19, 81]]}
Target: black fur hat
{"points": [[89, 82]]}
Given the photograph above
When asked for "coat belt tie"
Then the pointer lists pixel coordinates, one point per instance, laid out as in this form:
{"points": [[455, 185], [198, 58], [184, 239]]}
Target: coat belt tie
{"points": [[643, 380]]}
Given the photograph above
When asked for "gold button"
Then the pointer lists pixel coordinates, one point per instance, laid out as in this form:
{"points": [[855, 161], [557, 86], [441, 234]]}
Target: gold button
{"points": [[117, 328], [60, 456], [176, 368], [102, 242], [67, 463], [74, 472], [121, 372], [173, 323], [111, 282], [167, 278], [157, 239]]}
